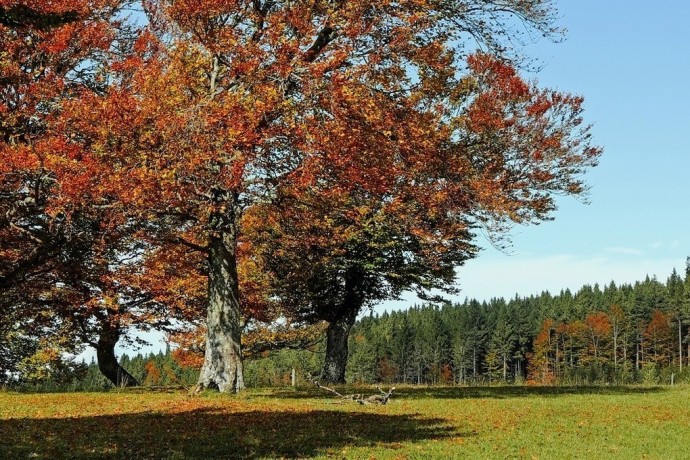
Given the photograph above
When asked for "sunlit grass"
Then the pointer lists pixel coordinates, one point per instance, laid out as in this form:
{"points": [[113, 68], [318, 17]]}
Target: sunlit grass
{"points": [[447, 422]]}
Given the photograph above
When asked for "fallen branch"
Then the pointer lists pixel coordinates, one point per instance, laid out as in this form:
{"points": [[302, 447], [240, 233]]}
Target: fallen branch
{"points": [[381, 398]]}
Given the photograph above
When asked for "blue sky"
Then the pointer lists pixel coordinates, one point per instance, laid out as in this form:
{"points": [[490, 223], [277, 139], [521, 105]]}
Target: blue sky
{"points": [[631, 62]]}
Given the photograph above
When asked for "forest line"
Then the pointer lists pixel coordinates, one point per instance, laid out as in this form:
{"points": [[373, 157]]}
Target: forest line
{"points": [[618, 334]]}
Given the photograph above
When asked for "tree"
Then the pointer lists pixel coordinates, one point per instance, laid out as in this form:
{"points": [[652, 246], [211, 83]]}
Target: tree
{"points": [[502, 342], [541, 366], [364, 362], [617, 320], [401, 344], [598, 329], [153, 374], [334, 250], [523, 318], [59, 239], [675, 292], [686, 304], [223, 103], [657, 336]]}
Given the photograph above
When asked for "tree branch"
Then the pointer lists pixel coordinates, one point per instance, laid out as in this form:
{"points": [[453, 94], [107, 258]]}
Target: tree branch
{"points": [[357, 397], [325, 36], [189, 244]]}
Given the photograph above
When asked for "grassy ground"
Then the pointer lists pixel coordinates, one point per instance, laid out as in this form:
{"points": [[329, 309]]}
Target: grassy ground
{"points": [[504, 422]]}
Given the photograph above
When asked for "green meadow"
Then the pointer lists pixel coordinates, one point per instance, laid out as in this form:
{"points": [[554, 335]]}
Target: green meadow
{"points": [[419, 422]]}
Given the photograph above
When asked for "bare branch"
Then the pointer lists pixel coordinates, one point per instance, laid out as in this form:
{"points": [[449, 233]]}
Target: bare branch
{"points": [[357, 397]]}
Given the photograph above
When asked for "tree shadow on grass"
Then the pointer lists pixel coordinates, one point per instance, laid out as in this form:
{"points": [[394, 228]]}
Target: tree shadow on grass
{"points": [[206, 434], [458, 392]]}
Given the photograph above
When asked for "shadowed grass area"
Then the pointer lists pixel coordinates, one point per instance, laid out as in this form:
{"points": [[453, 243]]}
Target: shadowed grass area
{"points": [[211, 433], [418, 423]]}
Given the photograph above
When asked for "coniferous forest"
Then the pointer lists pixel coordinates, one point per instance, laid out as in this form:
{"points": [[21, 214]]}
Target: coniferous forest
{"points": [[616, 334], [612, 335]]}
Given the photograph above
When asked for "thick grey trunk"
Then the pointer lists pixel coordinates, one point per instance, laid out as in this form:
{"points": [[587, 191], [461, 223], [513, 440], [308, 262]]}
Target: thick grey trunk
{"points": [[336, 349], [107, 361], [222, 368]]}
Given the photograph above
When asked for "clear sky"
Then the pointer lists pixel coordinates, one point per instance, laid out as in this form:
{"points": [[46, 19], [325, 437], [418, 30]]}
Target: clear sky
{"points": [[631, 62]]}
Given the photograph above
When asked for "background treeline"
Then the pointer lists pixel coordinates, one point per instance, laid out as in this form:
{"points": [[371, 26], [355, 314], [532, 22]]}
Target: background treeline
{"points": [[163, 369], [613, 335], [152, 370]]}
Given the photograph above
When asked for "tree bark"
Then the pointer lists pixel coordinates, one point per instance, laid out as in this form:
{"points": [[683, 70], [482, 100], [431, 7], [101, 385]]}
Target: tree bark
{"points": [[222, 368], [107, 361], [340, 321], [336, 349]]}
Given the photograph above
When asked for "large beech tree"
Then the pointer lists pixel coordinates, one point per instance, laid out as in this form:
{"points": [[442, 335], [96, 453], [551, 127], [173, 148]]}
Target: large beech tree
{"points": [[497, 155], [225, 100], [64, 242]]}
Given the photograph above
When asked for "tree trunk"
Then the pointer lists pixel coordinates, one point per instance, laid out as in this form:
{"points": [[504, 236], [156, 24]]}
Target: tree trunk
{"points": [[340, 321], [474, 363], [107, 361], [625, 351], [336, 349], [680, 345], [222, 368], [642, 361], [615, 351], [505, 369], [555, 367]]}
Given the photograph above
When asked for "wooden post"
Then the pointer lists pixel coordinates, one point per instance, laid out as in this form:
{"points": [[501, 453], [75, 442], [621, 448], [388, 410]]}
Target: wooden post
{"points": [[294, 378]]}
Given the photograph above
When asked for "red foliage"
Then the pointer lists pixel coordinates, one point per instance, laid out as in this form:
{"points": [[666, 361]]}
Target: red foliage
{"points": [[189, 349], [153, 373], [388, 370], [598, 329], [541, 367], [658, 337], [246, 105]]}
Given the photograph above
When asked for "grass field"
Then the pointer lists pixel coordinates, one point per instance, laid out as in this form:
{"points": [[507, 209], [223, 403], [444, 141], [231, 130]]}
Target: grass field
{"points": [[447, 422]]}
